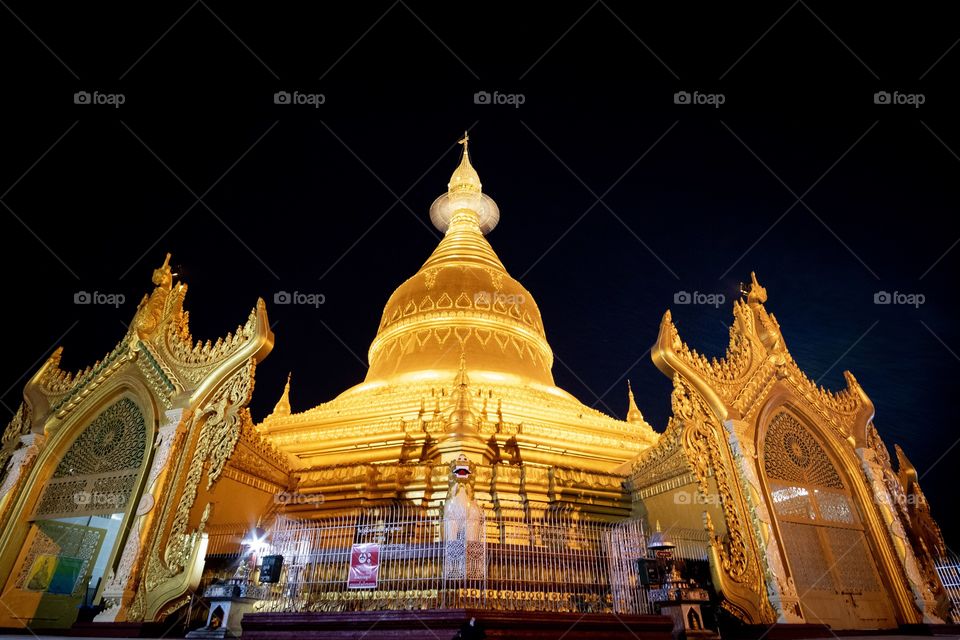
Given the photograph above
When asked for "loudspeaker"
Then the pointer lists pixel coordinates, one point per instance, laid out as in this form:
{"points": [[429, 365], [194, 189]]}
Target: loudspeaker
{"points": [[270, 569]]}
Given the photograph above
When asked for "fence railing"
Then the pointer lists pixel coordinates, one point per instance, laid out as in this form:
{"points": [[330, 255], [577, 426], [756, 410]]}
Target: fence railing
{"points": [[557, 562], [948, 568]]}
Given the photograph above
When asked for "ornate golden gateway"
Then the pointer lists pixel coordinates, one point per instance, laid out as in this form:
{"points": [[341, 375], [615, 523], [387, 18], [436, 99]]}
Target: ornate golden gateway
{"points": [[130, 436], [724, 411]]}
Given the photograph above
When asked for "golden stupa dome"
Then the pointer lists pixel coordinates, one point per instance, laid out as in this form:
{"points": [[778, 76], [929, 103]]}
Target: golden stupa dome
{"points": [[462, 304]]}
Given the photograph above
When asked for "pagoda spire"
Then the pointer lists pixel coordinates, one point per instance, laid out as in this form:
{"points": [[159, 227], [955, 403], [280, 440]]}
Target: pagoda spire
{"points": [[465, 178], [462, 416], [633, 412], [282, 408], [465, 194]]}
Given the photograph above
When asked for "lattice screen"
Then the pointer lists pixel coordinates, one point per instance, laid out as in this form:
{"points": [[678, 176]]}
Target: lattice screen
{"points": [[98, 473]]}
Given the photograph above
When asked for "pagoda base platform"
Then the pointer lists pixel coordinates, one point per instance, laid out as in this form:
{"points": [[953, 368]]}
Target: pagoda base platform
{"points": [[444, 624]]}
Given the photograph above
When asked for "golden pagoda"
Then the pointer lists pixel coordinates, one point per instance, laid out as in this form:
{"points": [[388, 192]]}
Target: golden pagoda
{"points": [[460, 365]]}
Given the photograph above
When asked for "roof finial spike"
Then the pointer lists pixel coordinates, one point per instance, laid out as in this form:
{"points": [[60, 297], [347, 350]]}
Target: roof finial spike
{"points": [[633, 412], [465, 178], [462, 380], [754, 293], [282, 408], [461, 414], [163, 275], [465, 193]]}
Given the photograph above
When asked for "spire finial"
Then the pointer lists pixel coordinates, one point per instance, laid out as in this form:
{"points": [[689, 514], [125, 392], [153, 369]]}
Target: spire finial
{"points": [[163, 275], [754, 293], [282, 408], [465, 178], [464, 193], [462, 380], [633, 412], [461, 416]]}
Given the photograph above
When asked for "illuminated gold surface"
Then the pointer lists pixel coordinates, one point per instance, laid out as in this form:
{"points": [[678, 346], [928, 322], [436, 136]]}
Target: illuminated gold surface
{"points": [[709, 467], [459, 333], [192, 396]]}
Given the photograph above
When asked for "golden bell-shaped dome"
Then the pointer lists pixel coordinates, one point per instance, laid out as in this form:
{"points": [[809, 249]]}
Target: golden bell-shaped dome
{"points": [[462, 303]]}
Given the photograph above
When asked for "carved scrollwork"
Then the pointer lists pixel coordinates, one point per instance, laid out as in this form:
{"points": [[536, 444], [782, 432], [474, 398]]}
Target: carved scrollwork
{"points": [[732, 369], [222, 417], [755, 359], [194, 360], [19, 425], [701, 443], [734, 553]]}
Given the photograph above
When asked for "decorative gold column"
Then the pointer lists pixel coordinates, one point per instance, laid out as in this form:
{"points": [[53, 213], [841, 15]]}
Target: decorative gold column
{"points": [[781, 590], [873, 470]]}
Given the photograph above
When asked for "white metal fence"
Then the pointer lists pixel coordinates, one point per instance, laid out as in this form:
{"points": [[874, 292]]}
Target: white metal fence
{"points": [[557, 562], [948, 568]]}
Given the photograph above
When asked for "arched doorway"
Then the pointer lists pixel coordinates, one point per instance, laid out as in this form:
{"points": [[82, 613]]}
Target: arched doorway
{"points": [[79, 519], [830, 559]]}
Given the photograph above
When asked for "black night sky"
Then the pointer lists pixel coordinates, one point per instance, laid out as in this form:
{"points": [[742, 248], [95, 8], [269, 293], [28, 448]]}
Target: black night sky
{"points": [[613, 197]]}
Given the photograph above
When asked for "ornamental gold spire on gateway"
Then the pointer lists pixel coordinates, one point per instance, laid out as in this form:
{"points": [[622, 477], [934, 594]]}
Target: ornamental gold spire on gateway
{"points": [[461, 467]]}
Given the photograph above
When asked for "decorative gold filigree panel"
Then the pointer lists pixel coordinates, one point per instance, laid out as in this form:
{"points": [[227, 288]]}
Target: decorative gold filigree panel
{"points": [[99, 471], [854, 569], [791, 454], [810, 569], [115, 440]]}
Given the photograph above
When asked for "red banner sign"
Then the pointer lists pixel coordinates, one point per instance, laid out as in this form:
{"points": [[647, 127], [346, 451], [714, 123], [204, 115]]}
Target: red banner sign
{"points": [[364, 566]]}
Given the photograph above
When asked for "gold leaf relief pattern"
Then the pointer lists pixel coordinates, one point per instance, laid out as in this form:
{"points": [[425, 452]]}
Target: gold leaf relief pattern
{"points": [[194, 361], [756, 358], [222, 417], [220, 420], [791, 454], [19, 425], [702, 445]]}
